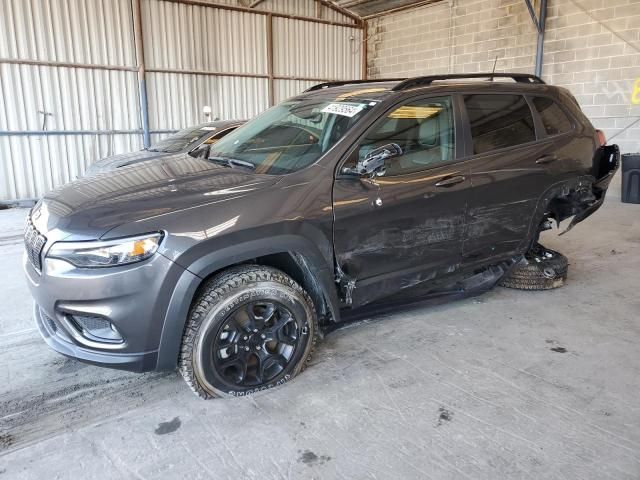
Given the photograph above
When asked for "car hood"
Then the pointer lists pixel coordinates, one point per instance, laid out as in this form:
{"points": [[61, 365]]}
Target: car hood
{"points": [[91, 206], [116, 161]]}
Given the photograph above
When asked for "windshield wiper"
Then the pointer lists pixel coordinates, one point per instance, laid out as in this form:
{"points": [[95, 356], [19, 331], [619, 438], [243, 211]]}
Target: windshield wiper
{"points": [[242, 163], [232, 162]]}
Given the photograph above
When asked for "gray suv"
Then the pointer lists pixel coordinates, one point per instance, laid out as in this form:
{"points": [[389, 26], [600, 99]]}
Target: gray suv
{"points": [[349, 196]]}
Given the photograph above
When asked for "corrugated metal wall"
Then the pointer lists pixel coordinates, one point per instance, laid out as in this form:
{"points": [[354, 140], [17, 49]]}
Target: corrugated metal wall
{"points": [[187, 38], [69, 91], [312, 51], [36, 97]]}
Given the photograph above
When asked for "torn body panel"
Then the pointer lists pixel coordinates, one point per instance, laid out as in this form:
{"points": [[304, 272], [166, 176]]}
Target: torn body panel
{"points": [[578, 197], [582, 198], [463, 284], [605, 165]]}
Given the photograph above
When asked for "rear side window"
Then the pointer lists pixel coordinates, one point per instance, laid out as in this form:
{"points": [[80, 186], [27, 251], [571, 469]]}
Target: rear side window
{"points": [[555, 121], [499, 121]]}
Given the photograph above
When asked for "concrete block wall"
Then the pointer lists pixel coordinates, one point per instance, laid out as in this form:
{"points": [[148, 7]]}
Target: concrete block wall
{"points": [[592, 47]]}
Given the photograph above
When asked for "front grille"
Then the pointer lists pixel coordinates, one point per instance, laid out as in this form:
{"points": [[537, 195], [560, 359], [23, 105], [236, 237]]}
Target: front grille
{"points": [[33, 243]]}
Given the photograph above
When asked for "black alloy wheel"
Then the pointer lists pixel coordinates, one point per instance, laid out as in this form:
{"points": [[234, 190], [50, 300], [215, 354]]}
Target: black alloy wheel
{"points": [[255, 344]]}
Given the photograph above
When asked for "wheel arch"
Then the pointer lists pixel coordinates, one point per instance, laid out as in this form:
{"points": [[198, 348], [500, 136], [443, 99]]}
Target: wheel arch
{"points": [[295, 256], [557, 202]]}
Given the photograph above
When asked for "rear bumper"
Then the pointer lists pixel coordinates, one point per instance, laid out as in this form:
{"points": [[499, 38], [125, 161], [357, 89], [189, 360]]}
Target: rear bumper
{"points": [[52, 333]]}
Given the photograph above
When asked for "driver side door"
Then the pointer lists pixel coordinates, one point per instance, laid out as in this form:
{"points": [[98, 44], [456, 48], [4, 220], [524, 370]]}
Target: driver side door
{"points": [[404, 226]]}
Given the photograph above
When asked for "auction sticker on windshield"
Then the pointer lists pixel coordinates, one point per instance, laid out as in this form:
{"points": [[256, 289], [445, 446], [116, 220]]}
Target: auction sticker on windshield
{"points": [[345, 109]]}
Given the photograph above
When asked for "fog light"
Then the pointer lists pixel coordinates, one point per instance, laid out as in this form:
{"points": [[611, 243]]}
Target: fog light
{"points": [[98, 329]]}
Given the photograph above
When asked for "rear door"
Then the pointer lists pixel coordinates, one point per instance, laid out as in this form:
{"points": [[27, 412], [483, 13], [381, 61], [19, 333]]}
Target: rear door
{"points": [[508, 173], [404, 227], [573, 153]]}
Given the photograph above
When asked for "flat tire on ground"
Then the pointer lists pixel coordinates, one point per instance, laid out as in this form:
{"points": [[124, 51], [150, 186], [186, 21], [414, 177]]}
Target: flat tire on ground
{"points": [[540, 269]]}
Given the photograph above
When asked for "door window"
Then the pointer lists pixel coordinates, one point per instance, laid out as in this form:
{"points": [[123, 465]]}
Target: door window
{"points": [[555, 121], [499, 121], [423, 129]]}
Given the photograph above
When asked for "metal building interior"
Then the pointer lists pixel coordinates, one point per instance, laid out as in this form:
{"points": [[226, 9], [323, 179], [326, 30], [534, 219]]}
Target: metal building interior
{"points": [[507, 384]]}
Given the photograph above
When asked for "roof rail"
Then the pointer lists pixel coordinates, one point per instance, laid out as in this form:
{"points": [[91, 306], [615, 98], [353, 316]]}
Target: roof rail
{"points": [[423, 81], [339, 83]]}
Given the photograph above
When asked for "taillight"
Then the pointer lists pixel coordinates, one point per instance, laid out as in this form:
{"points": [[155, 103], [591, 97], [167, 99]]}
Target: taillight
{"points": [[601, 138]]}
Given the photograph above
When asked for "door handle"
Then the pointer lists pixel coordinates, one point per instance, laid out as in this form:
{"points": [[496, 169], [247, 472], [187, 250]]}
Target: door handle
{"points": [[546, 159], [451, 181]]}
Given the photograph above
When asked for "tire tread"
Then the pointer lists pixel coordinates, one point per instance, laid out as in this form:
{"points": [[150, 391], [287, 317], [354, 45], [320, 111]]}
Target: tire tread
{"points": [[530, 276]]}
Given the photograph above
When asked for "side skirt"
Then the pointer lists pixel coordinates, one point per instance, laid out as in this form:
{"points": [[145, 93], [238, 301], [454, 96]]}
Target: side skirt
{"points": [[466, 285]]}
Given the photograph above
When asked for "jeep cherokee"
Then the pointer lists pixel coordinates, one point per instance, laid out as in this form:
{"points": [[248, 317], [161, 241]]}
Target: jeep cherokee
{"points": [[228, 265]]}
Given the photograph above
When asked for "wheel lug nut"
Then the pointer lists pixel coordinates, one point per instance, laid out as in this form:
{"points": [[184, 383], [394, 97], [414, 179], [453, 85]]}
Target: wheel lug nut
{"points": [[258, 347], [245, 338], [263, 336], [255, 330], [246, 349]]}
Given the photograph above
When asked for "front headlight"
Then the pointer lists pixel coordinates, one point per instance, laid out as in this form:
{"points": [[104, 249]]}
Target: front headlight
{"points": [[107, 253]]}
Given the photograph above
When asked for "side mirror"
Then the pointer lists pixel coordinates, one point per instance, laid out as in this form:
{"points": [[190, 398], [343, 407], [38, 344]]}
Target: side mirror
{"points": [[201, 152], [373, 163]]}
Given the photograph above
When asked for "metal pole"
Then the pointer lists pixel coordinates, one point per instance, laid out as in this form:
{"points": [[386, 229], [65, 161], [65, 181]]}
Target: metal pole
{"points": [[363, 54], [46, 63], [542, 24], [142, 82], [270, 84]]}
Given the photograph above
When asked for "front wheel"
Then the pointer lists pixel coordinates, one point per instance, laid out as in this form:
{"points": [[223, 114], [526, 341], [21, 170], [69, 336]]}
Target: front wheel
{"points": [[251, 328]]}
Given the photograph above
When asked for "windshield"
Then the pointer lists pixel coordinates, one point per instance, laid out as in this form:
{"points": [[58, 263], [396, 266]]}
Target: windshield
{"points": [[289, 136], [180, 140]]}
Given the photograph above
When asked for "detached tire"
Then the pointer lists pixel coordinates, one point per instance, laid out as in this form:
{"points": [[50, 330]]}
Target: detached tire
{"points": [[540, 269], [250, 328]]}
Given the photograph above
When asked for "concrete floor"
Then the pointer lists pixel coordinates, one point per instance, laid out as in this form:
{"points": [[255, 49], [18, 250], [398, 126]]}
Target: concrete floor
{"points": [[479, 389]]}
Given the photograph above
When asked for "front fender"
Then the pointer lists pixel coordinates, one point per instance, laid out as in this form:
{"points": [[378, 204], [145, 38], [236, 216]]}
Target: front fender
{"points": [[219, 258], [216, 260]]}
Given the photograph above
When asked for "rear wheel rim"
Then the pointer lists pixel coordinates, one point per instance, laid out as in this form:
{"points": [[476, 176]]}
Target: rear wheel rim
{"points": [[255, 344]]}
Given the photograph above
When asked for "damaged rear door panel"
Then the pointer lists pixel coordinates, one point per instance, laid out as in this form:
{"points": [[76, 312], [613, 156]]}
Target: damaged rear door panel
{"points": [[510, 170], [552, 175], [450, 206]]}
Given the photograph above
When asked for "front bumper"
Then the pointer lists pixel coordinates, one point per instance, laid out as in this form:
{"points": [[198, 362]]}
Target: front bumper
{"points": [[60, 341], [132, 298]]}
